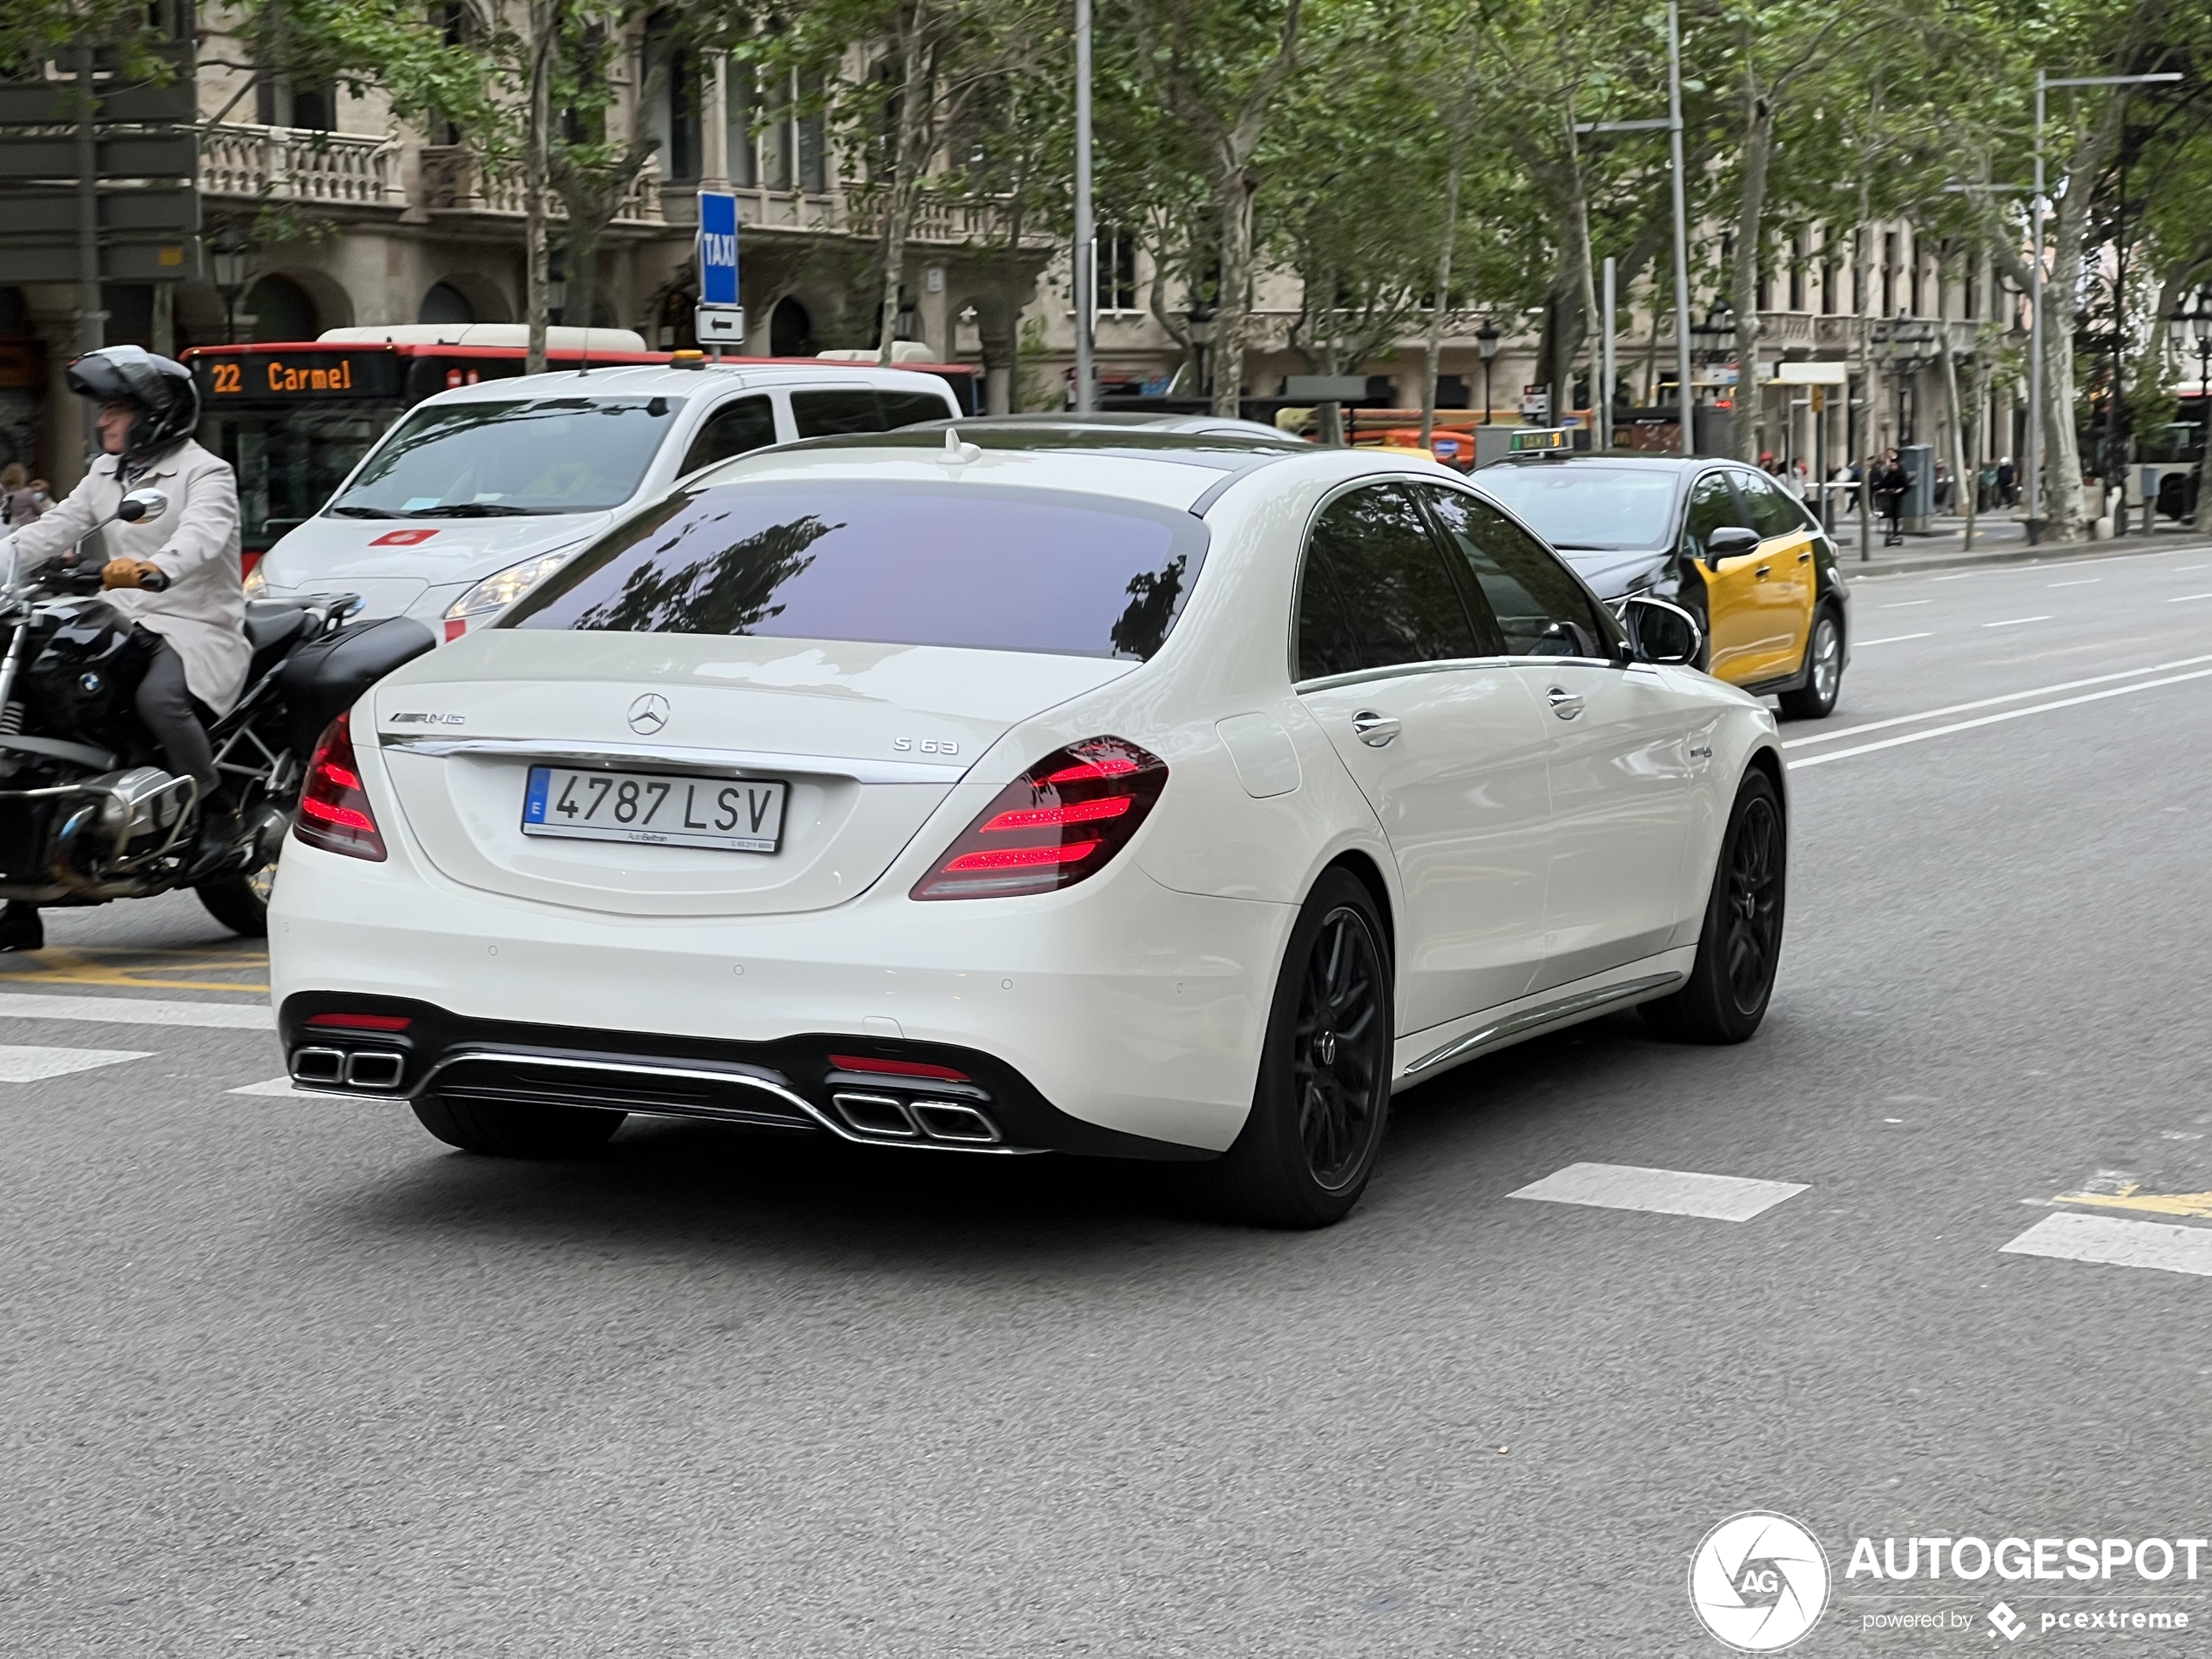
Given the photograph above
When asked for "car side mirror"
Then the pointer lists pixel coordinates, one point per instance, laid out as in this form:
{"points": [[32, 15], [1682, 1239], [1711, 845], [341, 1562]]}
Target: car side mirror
{"points": [[1660, 633], [142, 504], [1730, 541]]}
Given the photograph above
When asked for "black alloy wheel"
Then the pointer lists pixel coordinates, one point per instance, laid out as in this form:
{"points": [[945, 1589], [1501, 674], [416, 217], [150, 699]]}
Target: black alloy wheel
{"points": [[1336, 1055], [1725, 997], [1816, 698], [1754, 904], [1323, 1097]]}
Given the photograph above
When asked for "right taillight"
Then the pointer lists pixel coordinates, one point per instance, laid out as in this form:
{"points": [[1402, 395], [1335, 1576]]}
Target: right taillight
{"points": [[334, 813], [1058, 822]]}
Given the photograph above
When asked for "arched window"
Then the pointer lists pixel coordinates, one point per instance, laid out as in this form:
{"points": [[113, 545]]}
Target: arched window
{"points": [[790, 331], [445, 303], [280, 310]]}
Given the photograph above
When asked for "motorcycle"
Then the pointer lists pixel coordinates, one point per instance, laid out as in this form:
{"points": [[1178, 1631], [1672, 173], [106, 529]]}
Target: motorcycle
{"points": [[88, 812]]}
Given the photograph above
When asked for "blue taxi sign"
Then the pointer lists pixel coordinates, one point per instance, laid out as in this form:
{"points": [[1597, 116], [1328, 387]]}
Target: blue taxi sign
{"points": [[718, 250]]}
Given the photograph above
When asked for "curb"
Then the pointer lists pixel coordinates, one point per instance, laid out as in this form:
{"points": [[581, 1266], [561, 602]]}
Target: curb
{"points": [[2059, 552]]}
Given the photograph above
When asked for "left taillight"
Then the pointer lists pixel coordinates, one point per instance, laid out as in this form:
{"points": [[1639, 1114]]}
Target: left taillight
{"points": [[1062, 819], [334, 813]]}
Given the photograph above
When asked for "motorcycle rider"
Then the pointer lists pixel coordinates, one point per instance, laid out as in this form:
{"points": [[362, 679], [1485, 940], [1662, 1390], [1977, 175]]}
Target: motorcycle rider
{"points": [[148, 406]]}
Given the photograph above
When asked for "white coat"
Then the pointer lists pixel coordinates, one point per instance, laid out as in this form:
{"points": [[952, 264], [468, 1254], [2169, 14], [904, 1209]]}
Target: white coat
{"points": [[196, 544]]}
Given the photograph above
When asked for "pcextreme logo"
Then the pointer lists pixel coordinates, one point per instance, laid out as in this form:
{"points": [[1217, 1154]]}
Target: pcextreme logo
{"points": [[1759, 1582]]}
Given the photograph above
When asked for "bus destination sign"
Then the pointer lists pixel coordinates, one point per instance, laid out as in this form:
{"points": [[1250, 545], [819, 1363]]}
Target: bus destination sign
{"points": [[294, 376]]}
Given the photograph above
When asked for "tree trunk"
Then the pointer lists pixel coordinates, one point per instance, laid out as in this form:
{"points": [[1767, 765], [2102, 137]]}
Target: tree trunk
{"points": [[1445, 245], [1861, 285], [1744, 281], [545, 22], [1233, 312], [1954, 417], [906, 166]]}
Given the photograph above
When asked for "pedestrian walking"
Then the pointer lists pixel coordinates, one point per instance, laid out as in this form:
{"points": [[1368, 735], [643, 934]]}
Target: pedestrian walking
{"points": [[22, 500], [1890, 487], [2008, 495]]}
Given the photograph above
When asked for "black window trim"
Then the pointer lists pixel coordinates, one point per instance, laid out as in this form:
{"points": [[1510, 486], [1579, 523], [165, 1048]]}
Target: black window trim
{"points": [[1598, 607]]}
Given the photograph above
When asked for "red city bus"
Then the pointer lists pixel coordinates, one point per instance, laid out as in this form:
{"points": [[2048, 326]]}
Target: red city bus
{"points": [[294, 418]]}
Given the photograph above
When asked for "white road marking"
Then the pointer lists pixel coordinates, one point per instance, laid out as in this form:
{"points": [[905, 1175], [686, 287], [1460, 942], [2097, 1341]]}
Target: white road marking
{"points": [[2179, 597], [2069, 1236], [1958, 576], [1891, 639], [1992, 702], [1666, 1192], [2078, 582], [1992, 719], [2014, 621], [1907, 604], [2183, 569], [132, 1011], [22, 1063], [279, 1086]]}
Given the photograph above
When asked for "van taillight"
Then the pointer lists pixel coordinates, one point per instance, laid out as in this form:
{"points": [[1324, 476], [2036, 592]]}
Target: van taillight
{"points": [[1058, 822], [334, 813]]}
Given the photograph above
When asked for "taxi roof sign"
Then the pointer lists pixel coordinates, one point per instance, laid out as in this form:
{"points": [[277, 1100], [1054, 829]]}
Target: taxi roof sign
{"points": [[1537, 439]]}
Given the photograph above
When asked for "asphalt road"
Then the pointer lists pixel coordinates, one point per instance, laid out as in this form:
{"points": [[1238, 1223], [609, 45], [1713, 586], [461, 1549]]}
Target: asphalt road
{"points": [[281, 1375]]}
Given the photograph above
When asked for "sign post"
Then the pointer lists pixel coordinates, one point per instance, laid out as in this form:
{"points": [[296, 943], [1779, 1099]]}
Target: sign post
{"points": [[720, 319]]}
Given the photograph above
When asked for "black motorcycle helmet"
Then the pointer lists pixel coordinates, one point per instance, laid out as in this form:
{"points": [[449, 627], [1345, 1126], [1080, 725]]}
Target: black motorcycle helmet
{"points": [[167, 400]]}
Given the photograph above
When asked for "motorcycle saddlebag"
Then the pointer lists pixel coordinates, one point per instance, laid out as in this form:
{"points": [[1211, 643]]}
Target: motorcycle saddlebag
{"points": [[326, 677]]}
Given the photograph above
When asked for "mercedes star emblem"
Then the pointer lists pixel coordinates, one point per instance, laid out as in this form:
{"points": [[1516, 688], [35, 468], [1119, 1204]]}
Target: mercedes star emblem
{"points": [[648, 714]]}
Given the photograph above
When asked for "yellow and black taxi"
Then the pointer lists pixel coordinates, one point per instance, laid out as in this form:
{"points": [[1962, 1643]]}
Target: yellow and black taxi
{"points": [[1719, 538]]}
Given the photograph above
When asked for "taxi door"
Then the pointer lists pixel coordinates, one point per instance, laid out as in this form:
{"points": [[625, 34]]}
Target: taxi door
{"points": [[1782, 572], [1736, 648]]}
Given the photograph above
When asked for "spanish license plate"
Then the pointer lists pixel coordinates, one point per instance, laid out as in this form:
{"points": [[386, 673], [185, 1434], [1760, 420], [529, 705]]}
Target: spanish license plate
{"points": [[743, 815]]}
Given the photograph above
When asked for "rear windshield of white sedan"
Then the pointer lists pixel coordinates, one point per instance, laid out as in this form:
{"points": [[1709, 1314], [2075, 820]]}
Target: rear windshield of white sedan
{"points": [[901, 564]]}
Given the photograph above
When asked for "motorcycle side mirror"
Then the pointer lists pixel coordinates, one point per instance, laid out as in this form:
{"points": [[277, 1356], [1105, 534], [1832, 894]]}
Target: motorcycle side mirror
{"points": [[1660, 633], [1730, 541], [142, 504]]}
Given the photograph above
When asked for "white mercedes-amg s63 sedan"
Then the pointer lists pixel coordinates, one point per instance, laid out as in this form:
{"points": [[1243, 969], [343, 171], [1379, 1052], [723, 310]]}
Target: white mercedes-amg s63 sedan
{"points": [[1048, 788]]}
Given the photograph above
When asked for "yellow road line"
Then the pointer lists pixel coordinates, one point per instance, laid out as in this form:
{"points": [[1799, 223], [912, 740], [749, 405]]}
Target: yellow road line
{"points": [[2130, 1197]]}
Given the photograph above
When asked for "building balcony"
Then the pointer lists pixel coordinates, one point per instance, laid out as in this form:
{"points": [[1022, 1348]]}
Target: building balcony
{"points": [[299, 165], [454, 181]]}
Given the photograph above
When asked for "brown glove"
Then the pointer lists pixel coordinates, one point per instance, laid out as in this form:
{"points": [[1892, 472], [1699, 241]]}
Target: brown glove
{"points": [[127, 573]]}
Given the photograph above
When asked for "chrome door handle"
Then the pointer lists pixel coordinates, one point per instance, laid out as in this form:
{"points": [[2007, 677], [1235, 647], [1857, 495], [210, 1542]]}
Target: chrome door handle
{"points": [[1372, 729], [1564, 702]]}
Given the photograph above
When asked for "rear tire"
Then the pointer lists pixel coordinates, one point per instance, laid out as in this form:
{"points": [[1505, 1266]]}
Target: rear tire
{"points": [[240, 902], [1323, 1097], [1726, 995], [1816, 698], [502, 1130]]}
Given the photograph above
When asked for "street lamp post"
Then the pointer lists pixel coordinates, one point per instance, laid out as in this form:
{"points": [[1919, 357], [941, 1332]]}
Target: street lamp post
{"points": [[1486, 342], [230, 251], [2033, 451]]}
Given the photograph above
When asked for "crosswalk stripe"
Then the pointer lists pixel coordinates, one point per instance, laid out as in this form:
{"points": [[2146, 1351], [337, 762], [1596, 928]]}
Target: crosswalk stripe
{"points": [[280, 1087], [2070, 1236], [132, 1010], [26, 1063], [1667, 1192]]}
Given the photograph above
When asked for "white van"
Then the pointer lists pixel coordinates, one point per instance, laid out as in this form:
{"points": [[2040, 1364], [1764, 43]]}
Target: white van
{"points": [[481, 491]]}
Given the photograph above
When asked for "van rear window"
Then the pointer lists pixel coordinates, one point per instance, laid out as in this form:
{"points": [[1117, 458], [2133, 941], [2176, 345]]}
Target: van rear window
{"points": [[906, 564], [862, 409]]}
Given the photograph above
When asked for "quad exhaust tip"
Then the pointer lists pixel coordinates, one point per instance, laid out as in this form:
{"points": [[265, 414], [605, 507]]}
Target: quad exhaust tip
{"points": [[380, 1070], [884, 1117]]}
